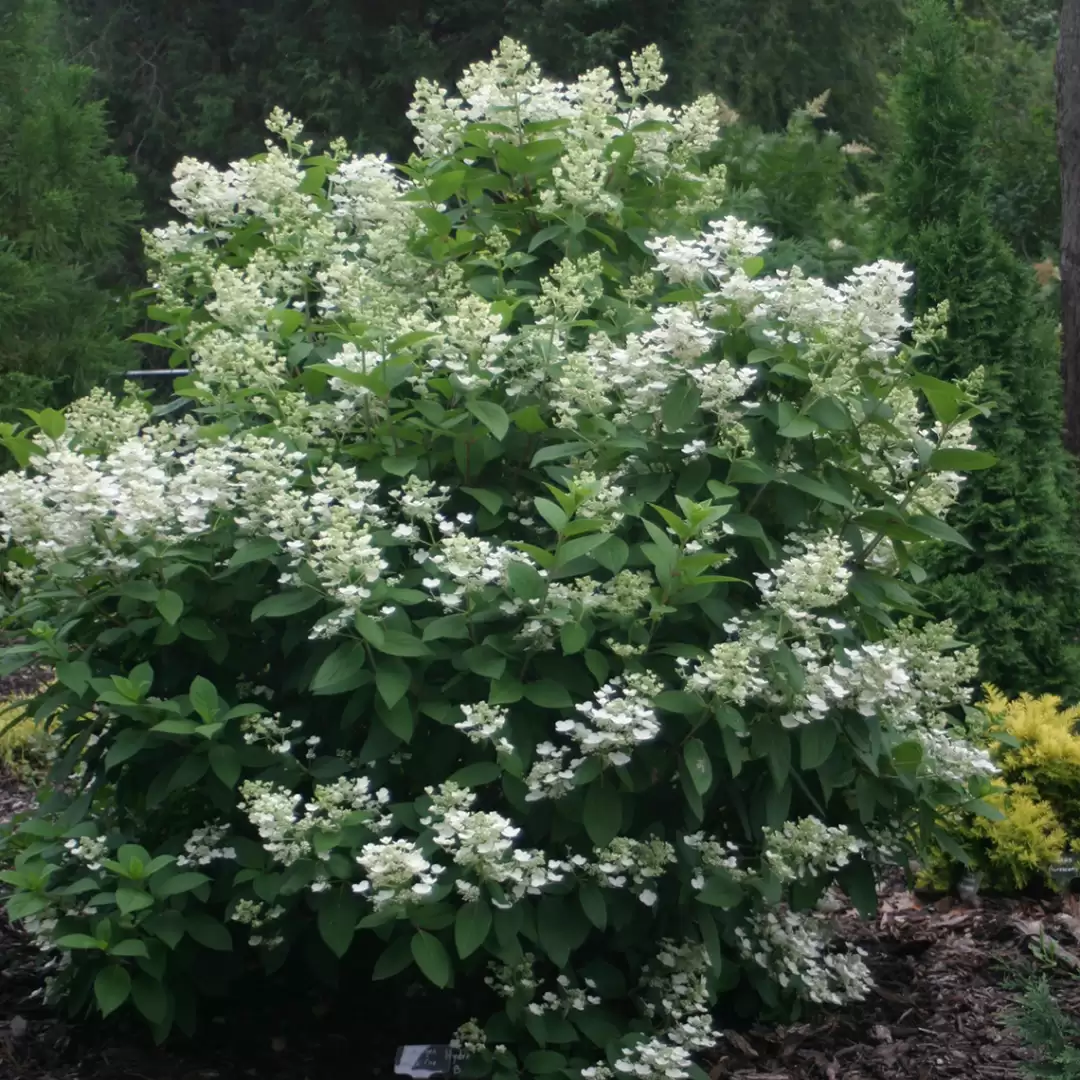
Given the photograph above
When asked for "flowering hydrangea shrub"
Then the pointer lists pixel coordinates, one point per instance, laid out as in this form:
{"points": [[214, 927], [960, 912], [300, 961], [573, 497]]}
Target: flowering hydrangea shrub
{"points": [[526, 579]]}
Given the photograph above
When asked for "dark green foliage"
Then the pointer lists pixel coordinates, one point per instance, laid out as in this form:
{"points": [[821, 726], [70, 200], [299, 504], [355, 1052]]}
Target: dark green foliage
{"points": [[1016, 81], [1017, 593], [66, 214], [1034, 22]]}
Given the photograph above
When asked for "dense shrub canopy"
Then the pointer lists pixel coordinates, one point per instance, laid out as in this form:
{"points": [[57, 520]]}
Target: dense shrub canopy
{"points": [[522, 596]]}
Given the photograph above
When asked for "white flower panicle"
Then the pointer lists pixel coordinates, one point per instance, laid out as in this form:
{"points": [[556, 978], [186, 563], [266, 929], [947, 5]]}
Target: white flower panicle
{"points": [[88, 849], [677, 992], [483, 723], [814, 578], [470, 1038], [287, 835], [99, 423], [565, 999], [620, 716], [257, 916], [652, 1059], [730, 672], [715, 854], [469, 563]]}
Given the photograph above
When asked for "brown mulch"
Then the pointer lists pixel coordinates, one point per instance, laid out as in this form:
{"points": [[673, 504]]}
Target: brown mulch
{"points": [[942, 974], [23, 682]]}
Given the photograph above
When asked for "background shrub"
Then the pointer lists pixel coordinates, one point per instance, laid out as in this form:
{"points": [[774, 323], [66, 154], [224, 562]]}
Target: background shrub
{"points": [[825, 223], [523, 595]]}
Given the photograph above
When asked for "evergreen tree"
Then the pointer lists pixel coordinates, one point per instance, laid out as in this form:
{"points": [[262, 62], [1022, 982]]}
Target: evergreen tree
{"points": [[1016, 594], [66, 215]]}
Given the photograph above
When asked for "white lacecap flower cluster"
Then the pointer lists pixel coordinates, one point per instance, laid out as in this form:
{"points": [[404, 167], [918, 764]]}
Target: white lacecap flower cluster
{"points": [[204, 846], [88, 849], [271, 731], [470, 1037], [629, 863], [715, 854], [287, 835], [909, 679], [808, 847], [98, 422], [619, 599], [396, 872], [481, 845], [257, 916], [654, 1058], [793, 948], [566, 998], [730, 672], [509, 980], [469, 563], [620, 716], [814, 578], [598, 498], [484, 723], [677, 992]]}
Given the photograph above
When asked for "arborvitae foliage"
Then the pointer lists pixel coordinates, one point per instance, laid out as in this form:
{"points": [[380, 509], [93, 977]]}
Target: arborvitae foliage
{"points": [[1016, 594], [1016, 81], [66, 213]]}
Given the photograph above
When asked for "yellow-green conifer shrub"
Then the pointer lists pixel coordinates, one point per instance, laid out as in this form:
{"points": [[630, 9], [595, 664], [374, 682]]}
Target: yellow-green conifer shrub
{"points": [[1047, 757], [1025, 842], [1035, 743], [25, 746]]}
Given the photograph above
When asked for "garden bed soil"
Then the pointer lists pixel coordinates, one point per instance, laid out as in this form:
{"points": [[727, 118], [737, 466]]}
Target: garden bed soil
{"points": [[941, 970], [23, 683], [942, 993]]}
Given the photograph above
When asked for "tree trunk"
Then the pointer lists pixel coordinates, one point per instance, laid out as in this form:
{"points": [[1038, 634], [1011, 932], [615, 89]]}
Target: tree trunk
{"points": [[1067, 77]]}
